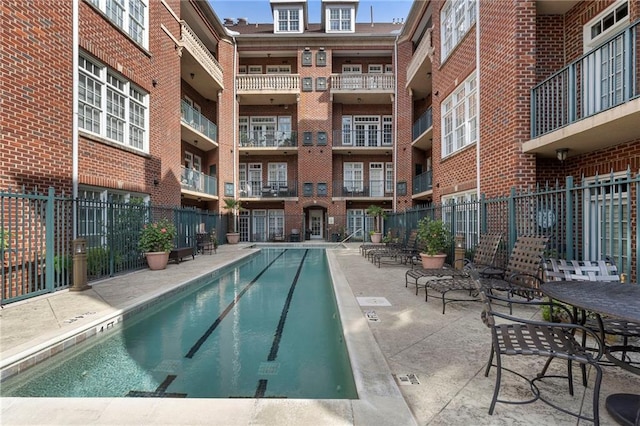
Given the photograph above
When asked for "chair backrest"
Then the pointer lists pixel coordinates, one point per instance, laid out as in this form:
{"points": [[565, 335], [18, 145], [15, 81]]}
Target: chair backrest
{"points": [[525, 260], [411, 241], [580, 270], [485, 251]]}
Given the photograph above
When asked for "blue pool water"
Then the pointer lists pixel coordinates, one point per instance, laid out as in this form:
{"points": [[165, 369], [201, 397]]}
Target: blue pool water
{"points": [[267, 328]]}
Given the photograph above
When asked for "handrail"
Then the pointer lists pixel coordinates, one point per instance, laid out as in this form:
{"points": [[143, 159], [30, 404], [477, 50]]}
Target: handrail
{"points": [[349, 237]]}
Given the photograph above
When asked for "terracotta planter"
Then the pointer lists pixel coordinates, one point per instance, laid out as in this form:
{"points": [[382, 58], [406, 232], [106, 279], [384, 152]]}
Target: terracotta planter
{"points": [[157, 260], [233, 237], [376, 237], [433, 262]]}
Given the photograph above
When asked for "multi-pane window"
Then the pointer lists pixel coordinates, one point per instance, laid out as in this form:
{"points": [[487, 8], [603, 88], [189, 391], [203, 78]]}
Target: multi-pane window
{"points": [[288, 20], [353, 177], [132, 16], [459, 117], [89, 96], [95, 205], [456, 18], [276, 223], [277, 174], [388, 182], [111, 106], [340, 19], [608, 22], [465, 219]]}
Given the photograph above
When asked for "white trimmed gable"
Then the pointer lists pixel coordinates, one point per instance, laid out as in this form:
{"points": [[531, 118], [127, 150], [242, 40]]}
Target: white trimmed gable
{"points": [[289, 16], [339, 16]]}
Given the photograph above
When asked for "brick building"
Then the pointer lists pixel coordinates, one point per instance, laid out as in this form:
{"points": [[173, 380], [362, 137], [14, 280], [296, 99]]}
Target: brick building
{"points": [[308, 120]]}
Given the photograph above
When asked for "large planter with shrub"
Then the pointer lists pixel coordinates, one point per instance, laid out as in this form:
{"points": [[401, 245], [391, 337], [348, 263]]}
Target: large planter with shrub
{"points": [[157, 260], [436, 239]]}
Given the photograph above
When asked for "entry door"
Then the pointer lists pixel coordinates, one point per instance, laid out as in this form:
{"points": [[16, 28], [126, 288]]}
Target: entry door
{"points": [[376, 180], [316, 220]]}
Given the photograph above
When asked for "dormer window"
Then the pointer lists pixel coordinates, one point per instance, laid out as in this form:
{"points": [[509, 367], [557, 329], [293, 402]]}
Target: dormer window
{"points": [[287, 20], [340, 19]]}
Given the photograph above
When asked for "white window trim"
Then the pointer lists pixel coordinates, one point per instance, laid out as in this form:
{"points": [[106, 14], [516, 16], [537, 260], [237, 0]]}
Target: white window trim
{"points": [[589, 43], [254, 69], [447, 17], [352, 17], [276, 20], [102, 6], [102, 78], [470, 135]]}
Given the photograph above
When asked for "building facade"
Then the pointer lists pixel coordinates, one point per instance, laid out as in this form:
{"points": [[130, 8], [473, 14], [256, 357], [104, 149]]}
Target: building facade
{"points": [[308, 120]]}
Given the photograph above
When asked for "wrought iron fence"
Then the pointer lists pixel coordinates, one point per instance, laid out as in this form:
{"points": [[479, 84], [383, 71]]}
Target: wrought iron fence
{"points": [[590, 220]]}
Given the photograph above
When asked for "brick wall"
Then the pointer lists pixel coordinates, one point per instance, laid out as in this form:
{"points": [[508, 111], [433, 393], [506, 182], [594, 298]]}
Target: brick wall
{"points": [[36, 95]]}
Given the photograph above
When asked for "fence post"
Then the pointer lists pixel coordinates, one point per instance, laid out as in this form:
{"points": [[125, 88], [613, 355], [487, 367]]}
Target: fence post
{"points": [[569, 219], [511, 223], [482, 216], [49, 241]]}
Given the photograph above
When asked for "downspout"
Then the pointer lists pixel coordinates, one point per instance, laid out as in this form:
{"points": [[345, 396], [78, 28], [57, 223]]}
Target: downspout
{"points": [[394, 203], [236, 159], [478, 190], [74, 125]]}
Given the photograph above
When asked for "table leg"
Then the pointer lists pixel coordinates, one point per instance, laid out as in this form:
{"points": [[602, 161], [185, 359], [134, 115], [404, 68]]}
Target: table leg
{"points": [[624, 408]]}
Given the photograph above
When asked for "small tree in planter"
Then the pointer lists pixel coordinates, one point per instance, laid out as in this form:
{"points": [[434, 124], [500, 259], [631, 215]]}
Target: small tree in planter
{"points": [[378, 214], [436, 238], [233, 206]]}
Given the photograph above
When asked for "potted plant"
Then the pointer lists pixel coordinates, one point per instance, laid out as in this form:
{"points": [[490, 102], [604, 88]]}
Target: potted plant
{"points": [[436, 238], [233, 206], [378, 213], [156, 241]]}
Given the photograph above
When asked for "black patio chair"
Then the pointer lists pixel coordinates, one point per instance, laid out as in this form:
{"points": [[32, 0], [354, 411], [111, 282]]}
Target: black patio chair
{"points": [[514, 336], [602, 271], [484, 256]]}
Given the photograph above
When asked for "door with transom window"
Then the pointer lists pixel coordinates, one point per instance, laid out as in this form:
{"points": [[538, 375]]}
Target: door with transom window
{"points": [[376, 180], [316, 219]]}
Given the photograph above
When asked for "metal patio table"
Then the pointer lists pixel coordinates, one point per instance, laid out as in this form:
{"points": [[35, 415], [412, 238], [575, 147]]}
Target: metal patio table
{"points": [[613, 299]]}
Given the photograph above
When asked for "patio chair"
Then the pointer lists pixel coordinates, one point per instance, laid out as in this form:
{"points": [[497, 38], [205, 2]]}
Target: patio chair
{"points": [[602, 271], [392, 250], [484, 257], [522, 276], [206, 242], [514, 336]]}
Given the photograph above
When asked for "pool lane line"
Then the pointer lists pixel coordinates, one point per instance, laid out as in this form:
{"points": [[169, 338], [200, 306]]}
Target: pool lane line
{"points": [[224, 313], [261, 389], [160, 392], [285, 310]]}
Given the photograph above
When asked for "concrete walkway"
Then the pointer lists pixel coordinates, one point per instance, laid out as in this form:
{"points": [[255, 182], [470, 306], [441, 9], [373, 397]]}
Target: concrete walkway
{"points": [[442, 355]]}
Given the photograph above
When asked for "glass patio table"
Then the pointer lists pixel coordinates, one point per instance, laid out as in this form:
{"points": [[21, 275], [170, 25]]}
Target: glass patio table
{"points": [[612, 299]]}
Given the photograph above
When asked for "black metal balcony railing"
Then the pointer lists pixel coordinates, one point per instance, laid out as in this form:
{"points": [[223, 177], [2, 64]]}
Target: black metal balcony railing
{"points": [[194, 119], [360, 188], [272, 139], [423, 182], [603, 78], [268, 189], [423, 123], [197, 181], [364, 138]]}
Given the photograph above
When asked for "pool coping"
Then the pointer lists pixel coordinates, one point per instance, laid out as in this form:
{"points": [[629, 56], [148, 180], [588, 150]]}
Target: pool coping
{"points": [[379, 400]]}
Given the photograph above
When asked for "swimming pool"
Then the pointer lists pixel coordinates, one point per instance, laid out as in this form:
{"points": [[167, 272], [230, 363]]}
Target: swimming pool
{"points": [[267, 328]]}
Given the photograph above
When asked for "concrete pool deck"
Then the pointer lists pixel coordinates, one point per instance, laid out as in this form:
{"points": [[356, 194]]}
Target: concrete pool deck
{"points": [[445, 356]]}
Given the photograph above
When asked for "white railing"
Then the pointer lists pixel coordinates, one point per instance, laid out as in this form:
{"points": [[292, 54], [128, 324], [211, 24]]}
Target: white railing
{"points": [[362, 82], [424, 52], [272, 82], [194, 45]]}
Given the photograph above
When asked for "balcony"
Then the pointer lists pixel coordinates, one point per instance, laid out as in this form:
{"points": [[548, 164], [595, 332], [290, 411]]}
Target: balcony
{"points": [[268, 89], [423, 186], [197, 60], [268, 143], [268, 190], [373, 189], [362, 88], [363, 141], [419, 69], [197, 129], [591, 104], [197, 185], [423, 131]]}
